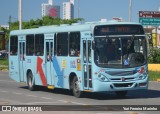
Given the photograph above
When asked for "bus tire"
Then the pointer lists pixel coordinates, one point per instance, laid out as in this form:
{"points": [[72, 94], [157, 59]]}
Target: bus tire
{"points": [[121, 93], [76, 90], [30, 83]]}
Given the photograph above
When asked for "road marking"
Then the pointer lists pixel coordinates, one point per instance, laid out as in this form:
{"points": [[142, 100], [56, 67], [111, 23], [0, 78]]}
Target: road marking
{"points": [[133, 113], [9, 101], [64, 101], [111, 112], [17, 93], [46, 98], [30, 103], [6, 81], [3, 102], [31, 95], [78, 103], [4, 91]]}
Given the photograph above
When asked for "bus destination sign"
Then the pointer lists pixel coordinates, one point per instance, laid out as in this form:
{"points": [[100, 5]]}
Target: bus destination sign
{"points": [[149, 18], [149, 14]]}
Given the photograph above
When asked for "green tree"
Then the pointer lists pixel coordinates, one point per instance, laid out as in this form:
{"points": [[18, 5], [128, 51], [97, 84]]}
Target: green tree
{"points": [[45, 21], [154, 56], [39, 22], [14, 25], [26, 25], [6, 31]]}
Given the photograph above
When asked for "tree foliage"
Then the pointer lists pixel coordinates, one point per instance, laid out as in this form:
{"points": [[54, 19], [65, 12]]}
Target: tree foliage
{"points": [[154, 55], [6, 31], [45, 21]]}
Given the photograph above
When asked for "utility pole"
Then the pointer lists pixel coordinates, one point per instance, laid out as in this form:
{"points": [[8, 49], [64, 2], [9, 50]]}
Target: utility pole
{"points": [[130, 10], [10, 22], [78, 9], [20, 14]]}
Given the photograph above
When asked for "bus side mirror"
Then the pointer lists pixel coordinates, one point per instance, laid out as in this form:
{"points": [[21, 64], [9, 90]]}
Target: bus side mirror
{"points": [[93, 44]]}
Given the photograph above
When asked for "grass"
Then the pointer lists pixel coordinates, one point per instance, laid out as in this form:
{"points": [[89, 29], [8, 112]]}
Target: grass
{"points": [[4, 62], [154, 75]]}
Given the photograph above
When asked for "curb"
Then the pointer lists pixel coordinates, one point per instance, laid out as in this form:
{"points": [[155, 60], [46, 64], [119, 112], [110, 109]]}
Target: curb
{"points": [[133, 113], [4, 70], [158, 80]]}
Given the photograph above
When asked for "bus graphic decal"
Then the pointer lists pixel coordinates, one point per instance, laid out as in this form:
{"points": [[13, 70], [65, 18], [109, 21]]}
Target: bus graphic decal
{"points": [[40, 71], [58, 71]]}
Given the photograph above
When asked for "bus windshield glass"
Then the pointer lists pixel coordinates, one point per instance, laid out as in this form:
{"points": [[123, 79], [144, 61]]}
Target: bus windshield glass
{"points": [[120, 51]]}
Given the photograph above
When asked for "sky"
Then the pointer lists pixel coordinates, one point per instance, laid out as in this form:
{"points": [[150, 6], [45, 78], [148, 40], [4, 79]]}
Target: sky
{"points": [[90, 10]]}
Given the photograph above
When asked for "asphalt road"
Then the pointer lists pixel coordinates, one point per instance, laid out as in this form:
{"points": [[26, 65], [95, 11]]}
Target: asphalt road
{"points": [[13, 93]]}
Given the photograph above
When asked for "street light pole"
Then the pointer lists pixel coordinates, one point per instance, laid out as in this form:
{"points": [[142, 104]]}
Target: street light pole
{"points": [[10, 22], [20, 14], [78, 9], [130, 10]]}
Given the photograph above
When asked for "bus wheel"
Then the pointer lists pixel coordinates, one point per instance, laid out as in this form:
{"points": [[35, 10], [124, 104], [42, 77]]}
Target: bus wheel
{"points": [[76, 90], [121, 93], [31, 85]]}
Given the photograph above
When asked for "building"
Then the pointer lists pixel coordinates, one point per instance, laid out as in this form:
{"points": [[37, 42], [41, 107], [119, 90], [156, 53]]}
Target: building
{"points": [[50, 2], [68, 10], [50, 10], [119, 19], [5, 26]]}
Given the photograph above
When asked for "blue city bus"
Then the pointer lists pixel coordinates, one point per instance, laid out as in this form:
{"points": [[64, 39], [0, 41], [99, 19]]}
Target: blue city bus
{"points": [[89, 57]]}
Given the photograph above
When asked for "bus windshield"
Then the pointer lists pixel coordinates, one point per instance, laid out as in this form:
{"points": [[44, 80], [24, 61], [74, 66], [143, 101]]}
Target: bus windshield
{"points": [[123, 51]]}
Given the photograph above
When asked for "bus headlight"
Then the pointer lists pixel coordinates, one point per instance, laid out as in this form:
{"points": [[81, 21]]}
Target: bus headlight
{"points": [[103, 78], [142, 76]]}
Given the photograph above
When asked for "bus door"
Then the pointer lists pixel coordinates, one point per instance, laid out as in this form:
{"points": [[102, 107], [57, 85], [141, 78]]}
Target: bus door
{"points": [[49, 61], [21, 51], [87, 69]]}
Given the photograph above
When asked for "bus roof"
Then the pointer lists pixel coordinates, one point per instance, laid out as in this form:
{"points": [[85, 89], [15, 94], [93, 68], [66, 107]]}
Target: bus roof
{"points": [[67, 28]]}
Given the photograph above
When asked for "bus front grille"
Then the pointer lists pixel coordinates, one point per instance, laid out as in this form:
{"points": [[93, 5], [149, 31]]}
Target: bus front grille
{"points": [[121, 73], [120, 79], [123, 85]]}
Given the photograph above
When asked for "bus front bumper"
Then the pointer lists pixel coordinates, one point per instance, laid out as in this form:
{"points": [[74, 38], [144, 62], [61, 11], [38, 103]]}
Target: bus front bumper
{"points": [[120, 86]]}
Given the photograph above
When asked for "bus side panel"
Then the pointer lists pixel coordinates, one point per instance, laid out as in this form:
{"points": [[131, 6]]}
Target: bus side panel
{"points": [[14, 68], [70, 67], [59, 70], [39, 71], [74, 67], [31, 65], [63, 67]]}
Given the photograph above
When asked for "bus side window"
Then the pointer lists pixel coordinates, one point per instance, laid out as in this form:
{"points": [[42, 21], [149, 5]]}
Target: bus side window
{"points": [[74, 44], [89, 51], [30, 45], [55, 44], [39, 45], [13, 45], [62, 44]]}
